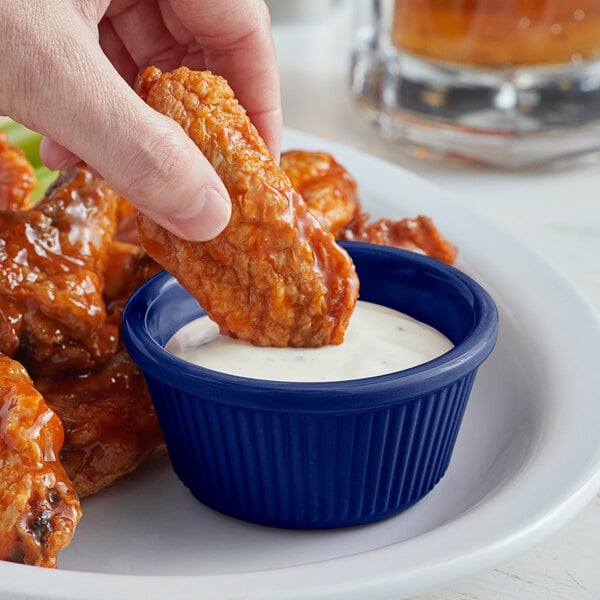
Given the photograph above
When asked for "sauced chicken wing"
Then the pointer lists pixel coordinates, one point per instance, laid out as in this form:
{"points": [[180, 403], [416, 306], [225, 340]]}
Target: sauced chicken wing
{"points": [[52, 314], [418, 234], [273, 276], [126, 267], [331, 194], [327, 188], [64, 279], [110, 423], [127, 230], [39, 509], [17, 179]]}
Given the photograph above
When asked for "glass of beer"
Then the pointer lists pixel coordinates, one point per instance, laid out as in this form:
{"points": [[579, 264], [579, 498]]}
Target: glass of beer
{"points": [[509, 83]]}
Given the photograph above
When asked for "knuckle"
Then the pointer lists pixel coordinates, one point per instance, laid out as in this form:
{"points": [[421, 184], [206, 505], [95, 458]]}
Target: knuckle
{"points": [[156, 169]]}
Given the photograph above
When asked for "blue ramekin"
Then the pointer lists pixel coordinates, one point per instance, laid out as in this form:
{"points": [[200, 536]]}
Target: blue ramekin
{"points": [[318, 455]]}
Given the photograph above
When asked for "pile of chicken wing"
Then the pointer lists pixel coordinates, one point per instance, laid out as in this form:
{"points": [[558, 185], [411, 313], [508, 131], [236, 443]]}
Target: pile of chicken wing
{"points": [[75, 414]]}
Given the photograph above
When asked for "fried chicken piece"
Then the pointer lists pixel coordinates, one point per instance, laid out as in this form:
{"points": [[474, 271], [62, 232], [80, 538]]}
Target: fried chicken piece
{"points": [[110, 424], [327, 188], [418, 234], [126, 267], [273, 277], [127, 230], [331, 194], [52, 313], [109, 421], [17, 178], [39, 509]]}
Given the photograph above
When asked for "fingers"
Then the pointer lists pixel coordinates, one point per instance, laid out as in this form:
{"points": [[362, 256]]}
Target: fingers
{"points": [[143, 32], [236, 42], [115, 49], [230, 37], [62, 85], [69, 91], [55, 156]]}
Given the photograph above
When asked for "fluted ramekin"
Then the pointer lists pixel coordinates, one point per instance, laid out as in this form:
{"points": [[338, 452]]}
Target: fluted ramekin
{"points": [[318, 455]]}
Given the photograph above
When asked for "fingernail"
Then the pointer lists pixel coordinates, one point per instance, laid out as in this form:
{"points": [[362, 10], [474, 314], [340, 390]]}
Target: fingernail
{"points": [[205, 218]]}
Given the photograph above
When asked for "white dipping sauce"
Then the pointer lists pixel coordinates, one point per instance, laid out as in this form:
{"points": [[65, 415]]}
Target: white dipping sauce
{"points": [[378, 340]]}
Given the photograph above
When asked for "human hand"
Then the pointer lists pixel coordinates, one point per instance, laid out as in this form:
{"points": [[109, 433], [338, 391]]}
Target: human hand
{"points": [[68, 68]]}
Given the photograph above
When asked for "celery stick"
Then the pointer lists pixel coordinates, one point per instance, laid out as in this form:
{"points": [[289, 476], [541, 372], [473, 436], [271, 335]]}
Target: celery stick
{"points": [[44, 179], [29, 142]]}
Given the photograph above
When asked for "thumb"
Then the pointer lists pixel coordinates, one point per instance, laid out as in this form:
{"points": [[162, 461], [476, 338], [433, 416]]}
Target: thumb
{"points": [[184, 198], [146, 158], [153, 164]]}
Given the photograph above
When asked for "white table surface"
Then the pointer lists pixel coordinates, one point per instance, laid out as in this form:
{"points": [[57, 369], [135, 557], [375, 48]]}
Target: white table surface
{"points": [[556, 211]]}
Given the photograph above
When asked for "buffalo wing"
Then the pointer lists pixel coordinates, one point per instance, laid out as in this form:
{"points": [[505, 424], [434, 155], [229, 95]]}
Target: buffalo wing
{"points": [[39, 509], [273, 277], [52, 314], [109, 421]]}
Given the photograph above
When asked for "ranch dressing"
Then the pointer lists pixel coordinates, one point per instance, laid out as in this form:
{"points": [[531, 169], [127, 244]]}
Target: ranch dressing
{"points": [[378, 340]]}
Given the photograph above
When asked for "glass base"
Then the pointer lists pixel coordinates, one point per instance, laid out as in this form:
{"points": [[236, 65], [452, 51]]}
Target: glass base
{"points": [[508, 118]]}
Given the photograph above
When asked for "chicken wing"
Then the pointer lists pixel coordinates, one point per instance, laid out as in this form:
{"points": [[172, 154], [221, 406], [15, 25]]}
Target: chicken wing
{"points": [[39, 510], [331, 194], [64, 279], [126, 222], [52, 313], [126, 267], [418, 234], [273, 276], [109, 421], [327, 188], [17, 179]]}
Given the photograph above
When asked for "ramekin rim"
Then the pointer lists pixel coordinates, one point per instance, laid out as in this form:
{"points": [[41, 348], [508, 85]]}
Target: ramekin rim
{"points": [[465, 357]]}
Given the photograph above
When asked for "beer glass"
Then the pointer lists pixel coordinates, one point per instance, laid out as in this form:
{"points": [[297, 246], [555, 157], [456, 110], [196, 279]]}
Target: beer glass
{"points": [[510, 83]]}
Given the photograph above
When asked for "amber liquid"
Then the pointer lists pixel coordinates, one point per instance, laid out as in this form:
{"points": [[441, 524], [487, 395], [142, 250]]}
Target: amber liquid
{"points": [[498, 33]]}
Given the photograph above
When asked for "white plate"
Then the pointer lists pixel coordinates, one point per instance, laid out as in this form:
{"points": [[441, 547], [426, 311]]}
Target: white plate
{"points": [[527, 459]]}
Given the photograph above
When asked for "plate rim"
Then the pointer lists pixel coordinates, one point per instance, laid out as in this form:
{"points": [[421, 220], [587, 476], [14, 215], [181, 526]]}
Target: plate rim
{"points": [[370, 569]]}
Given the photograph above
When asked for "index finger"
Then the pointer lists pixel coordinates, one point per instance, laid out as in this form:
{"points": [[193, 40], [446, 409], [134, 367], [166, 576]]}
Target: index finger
{"points": [[233, 39]]}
